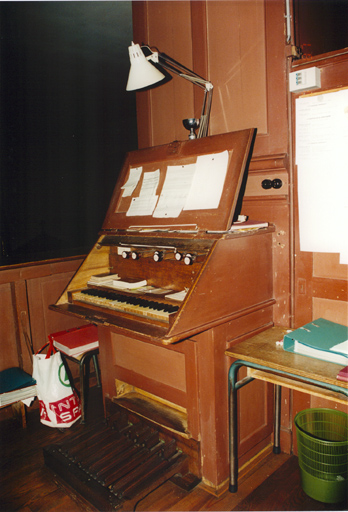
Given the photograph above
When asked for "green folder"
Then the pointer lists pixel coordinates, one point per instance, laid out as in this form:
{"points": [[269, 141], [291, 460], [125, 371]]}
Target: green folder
{"points": [[321, 339]]}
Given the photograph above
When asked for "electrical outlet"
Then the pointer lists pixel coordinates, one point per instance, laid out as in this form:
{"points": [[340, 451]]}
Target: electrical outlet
{"points": [[304, 80]]}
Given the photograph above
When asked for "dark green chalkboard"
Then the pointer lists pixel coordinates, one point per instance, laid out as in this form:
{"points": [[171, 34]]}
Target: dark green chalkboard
{"points": [[66, 123]]}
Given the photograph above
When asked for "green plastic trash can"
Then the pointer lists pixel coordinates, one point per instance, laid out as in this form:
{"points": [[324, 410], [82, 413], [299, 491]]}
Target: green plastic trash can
{"points": [[322, 439]]}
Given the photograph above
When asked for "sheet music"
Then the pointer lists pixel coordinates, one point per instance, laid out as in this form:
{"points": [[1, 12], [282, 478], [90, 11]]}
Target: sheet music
{"points": [[208, 182], [175, 190], [146, 202]]}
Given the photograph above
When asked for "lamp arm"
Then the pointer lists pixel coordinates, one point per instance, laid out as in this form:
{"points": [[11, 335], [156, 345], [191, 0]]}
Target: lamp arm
{"points": [[201, 82], [205, 114], [175, 67], [163, 59]]}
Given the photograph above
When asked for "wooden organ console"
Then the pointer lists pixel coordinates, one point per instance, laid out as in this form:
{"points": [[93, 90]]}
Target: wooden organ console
{"points": [[171, 287]]}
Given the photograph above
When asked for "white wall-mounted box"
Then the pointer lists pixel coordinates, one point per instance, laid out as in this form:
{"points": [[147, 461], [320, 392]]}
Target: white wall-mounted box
{"points": [[304, 80]]}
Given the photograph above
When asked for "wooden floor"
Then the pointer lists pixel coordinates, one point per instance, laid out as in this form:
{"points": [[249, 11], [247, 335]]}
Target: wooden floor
{"points": [[27, 485]]}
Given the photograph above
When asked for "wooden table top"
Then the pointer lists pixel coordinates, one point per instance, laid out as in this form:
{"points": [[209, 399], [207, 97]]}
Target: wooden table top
{"points": [[262, 349]]}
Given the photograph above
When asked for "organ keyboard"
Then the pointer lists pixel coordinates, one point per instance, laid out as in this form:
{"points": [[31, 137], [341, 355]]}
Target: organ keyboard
{"points": [[133, 305]]}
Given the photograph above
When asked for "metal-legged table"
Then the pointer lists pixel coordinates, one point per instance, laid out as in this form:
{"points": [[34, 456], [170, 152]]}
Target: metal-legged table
{"points": [[268, 361]]}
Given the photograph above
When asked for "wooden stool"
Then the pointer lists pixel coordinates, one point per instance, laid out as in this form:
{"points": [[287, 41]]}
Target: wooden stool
{"points": [[84, 360], [18, 412], [80, 345]]}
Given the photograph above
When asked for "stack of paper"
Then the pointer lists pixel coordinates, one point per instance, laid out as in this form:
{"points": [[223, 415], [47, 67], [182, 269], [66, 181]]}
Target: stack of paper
{"points": [[128, 285], [103, 279], [16, 385]]}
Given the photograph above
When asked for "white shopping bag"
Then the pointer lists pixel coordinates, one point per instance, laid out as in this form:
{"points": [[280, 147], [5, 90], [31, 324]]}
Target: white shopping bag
{"points": [[59, 403]]}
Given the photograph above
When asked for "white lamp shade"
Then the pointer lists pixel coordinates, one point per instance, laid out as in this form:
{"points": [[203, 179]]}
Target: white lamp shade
{"points": [[142, 73]]}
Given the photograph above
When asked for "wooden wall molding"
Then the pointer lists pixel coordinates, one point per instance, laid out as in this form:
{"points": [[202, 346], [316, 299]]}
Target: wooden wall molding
{"points": [[270, 162], [33, 270]]}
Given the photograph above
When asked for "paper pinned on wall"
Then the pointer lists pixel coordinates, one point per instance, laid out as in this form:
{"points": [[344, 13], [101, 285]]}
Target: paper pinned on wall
{"points": [[322, 162], [208, 182]]}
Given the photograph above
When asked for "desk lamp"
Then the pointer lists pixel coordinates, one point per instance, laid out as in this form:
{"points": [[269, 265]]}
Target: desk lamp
{"points": [[143, 74]]}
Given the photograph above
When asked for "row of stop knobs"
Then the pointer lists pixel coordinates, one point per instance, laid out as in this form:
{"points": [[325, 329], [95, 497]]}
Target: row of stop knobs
{"points": [[157, 256]]}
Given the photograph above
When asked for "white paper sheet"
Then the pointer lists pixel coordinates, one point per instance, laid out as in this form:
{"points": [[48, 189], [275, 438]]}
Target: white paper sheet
{"points": [[177, 295], [146, 202], [322, 160], [175, 189], [341, 347], [132, 182], [208, 182]]}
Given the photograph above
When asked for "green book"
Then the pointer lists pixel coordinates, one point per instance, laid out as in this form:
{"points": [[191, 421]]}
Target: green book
{"points": [[14, 378], [321, 339]]}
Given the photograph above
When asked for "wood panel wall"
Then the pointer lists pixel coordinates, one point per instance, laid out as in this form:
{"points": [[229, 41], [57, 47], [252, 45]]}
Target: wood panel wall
{"points": [[239, 46], [26, 291]]}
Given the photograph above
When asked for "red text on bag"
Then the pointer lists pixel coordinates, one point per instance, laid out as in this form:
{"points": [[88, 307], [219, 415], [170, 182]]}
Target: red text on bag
{"points": [[67, 409], [43, 411]]}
